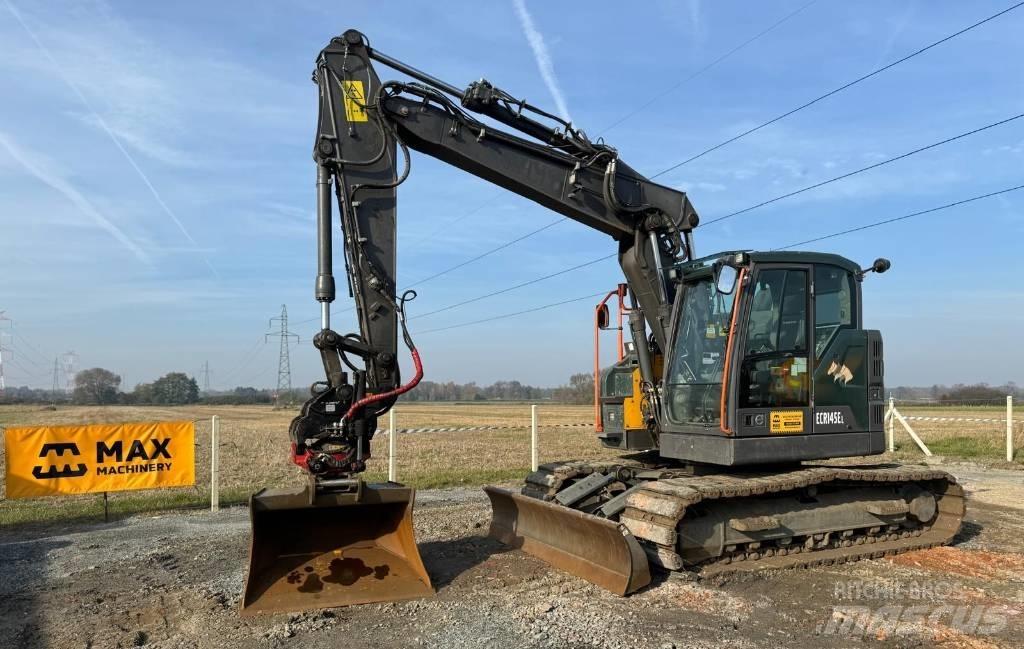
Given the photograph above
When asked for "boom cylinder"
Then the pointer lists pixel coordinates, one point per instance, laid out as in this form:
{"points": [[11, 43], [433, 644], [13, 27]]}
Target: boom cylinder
{"points": [[324, 267], [643, 352]]}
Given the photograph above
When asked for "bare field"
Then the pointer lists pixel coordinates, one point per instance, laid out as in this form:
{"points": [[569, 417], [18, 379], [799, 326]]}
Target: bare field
{"points": [[971, 432], [254, 447], [173, 580]]}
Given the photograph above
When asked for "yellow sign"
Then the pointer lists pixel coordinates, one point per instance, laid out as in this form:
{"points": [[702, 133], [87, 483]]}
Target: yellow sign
{"points": [[54, 460], [355, 101], [786, 422]]}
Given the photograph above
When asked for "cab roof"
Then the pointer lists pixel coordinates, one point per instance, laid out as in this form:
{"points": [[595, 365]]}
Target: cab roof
{"points": [[773, 257]]}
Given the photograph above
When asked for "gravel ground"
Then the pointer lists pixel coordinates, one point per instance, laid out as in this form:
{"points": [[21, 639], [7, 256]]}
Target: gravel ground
{"points": [[175, 580]]}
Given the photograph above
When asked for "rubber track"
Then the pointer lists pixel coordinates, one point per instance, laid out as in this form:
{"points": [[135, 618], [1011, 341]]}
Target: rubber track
{"points": [[654, 511]]}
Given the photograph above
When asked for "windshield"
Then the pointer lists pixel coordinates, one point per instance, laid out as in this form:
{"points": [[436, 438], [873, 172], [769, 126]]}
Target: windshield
{"points": [[694, 385]]}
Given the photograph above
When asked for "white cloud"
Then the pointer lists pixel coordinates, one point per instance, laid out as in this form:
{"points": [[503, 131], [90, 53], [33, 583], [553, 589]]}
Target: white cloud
{"points": [[59, 71], [51, 177], [543, 58]]}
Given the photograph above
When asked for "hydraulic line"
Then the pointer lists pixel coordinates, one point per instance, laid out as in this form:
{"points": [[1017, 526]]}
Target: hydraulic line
{"points": [[417, 363]]}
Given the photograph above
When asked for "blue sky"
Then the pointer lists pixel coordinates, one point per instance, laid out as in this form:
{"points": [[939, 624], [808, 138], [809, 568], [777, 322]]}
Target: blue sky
{"points": [[157, 195]]}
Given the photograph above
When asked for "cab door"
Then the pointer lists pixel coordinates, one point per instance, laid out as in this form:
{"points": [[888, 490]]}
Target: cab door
{"points": [[774, 386], [840, 353]]}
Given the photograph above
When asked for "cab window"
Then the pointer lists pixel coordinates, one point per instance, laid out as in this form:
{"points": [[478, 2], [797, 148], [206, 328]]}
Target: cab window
{"points": [[778, 313], [774, 371], [833, 304], [694, 387]]}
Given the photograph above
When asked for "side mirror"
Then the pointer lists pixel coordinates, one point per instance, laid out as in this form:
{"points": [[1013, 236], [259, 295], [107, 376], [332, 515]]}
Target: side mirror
{"points": [[725, 278], [879, 266], [602, 316]]}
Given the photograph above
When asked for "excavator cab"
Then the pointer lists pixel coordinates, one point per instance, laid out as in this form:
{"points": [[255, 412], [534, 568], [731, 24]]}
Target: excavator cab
{"points": [[768, 363]]}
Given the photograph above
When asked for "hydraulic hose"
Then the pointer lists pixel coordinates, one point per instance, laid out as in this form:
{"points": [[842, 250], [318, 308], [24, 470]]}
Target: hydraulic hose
{"points": [[417, 363]]}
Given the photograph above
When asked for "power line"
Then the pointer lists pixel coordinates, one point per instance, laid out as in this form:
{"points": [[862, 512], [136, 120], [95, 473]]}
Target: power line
{"points": [[902, 218], [836, 90], [228, 378], [20, 336], [821, 238], [514, 287], [720, 145], [516, 313], [34, 375], [637, 110], [308, 320], [707, 67], [447, 224], [252, 379], [747, 132], [488, 253], [744, 210], [246, 359], [863, 169]]}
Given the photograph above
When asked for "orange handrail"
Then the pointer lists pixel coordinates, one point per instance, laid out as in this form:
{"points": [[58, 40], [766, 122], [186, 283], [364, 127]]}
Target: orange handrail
{"points": [[619, 291], [728, 353]]}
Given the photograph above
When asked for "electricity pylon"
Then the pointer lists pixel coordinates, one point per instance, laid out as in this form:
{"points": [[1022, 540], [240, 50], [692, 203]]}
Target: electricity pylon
{"points": [[284, 367]]}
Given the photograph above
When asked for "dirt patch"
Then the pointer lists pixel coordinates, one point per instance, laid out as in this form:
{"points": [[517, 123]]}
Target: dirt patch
{"points": [[174, 582], [968, 563], [948, 638]]}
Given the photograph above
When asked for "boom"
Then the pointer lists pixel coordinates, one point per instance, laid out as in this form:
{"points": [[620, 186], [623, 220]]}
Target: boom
{"points": [[744, 365], [365, 126]]}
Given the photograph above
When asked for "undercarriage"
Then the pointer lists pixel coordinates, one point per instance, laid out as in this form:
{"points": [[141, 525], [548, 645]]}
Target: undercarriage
{"points": [[713, 521]]}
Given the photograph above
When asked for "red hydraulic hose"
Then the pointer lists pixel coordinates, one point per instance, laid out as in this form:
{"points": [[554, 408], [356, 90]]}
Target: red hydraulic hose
{"points": [[402, 389]]}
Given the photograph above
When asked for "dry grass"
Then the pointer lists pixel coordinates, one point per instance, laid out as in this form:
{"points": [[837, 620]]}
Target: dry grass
{"points": [[254, 450], [254, 447], [959, 439]]}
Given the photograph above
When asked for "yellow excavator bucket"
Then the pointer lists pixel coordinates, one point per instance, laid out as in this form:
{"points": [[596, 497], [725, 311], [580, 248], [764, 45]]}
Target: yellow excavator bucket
{"points": [[332, 549], [596, 549]]}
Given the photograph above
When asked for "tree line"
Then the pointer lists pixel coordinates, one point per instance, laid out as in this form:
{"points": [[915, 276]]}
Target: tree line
{"points": [[960, 393], [99, 386]]}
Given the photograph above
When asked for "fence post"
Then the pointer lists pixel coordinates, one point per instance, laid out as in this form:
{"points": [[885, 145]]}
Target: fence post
{"points": [[1009, 428], [215, 463], [910, 431], [392, 446], [890, 437], [533, 438]]}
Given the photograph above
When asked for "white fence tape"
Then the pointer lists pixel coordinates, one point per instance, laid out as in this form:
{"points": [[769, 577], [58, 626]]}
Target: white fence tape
{"points": [[971, 419], [462, 429]]}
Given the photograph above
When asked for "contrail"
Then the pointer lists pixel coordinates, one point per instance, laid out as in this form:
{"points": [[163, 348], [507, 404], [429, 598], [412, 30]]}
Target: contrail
{"points": [[73, 195], [543, 58], [103, 124]]}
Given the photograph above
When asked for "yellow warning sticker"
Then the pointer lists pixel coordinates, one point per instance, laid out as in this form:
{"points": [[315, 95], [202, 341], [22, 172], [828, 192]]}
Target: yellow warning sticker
{"points": [[787, 422], [355, 101]]}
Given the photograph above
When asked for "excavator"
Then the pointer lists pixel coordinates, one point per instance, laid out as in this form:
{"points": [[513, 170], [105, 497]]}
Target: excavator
{"points": [[745, 375]]}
